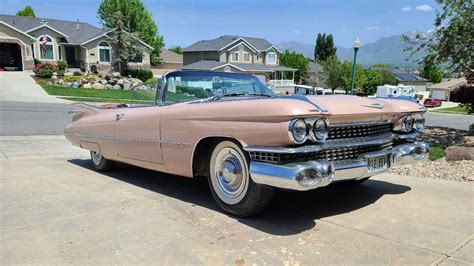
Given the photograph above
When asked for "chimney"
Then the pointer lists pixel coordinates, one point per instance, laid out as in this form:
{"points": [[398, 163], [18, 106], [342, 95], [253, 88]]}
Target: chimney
{"points": [[78, 25]]}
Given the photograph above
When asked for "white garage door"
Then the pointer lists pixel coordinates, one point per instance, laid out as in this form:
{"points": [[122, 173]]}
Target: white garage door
{"points": [[439, 94]]}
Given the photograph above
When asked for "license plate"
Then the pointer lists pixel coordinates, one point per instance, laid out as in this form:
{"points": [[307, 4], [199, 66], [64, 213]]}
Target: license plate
{"points": [[377, 163]]}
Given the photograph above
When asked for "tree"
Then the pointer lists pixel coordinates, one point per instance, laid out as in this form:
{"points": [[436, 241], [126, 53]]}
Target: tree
{"points": [[452, 39], [387, 77], [372, 79], [26, 12], [332, 70], [465, 96], [295, 60], [324, 47], [123, 41], [177, 49], [346, 76], [430, 71], [137, 19]]}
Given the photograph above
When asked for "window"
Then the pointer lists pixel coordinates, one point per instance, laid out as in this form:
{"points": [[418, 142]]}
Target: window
{"points": [[234, 57], [46, 48], [104, 52], [247, 57], [271, 58]]}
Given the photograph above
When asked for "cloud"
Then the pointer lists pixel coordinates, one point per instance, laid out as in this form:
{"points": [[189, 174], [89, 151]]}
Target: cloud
{"points": [[406, 9], [373, 28], [297, 31], [424, 8]]}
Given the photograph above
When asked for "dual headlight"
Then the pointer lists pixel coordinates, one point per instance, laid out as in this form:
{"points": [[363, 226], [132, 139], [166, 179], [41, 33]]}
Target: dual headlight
{"points": [[410, 122], [300, 130]]}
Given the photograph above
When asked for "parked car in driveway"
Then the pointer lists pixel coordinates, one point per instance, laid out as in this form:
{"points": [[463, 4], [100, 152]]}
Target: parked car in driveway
{"points": [[430, 102], [247, 140]]}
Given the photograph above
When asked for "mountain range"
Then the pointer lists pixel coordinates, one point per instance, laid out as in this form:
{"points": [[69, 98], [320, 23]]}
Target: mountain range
{"points": [[388, 50]]}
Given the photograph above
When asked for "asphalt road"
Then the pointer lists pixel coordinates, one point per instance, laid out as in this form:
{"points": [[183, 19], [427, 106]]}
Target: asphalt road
{"points": [[29, 118], [56, 210], [449, 120]]}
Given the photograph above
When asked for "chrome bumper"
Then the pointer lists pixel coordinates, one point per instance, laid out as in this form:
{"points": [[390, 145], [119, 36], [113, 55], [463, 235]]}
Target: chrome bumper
{"points": [[288, 176]]}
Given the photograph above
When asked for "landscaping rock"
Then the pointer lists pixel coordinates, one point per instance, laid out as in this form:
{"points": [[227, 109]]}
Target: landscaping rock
{"points": [[76, 84], [116, 87], [54, 77], [87, 86], [458, 153], [116, 74], [98, 86], [126, 84], [120, 81], [108, 86], [103, 81]]}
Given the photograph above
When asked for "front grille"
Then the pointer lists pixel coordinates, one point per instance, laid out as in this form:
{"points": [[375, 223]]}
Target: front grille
{"points": [[332, 154], [355, 131]]}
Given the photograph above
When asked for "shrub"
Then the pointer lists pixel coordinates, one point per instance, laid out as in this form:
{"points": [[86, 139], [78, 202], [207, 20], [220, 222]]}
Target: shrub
{"points": [[72, 78], [465, 96], [139, 73], [62, 65], [44, 70], [37, 62], [471, 127], [44, 73], [60, 72]]}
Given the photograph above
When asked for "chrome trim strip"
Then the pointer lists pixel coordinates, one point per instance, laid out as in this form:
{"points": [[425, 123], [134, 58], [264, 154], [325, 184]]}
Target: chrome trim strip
{"points": [[128, 139]]}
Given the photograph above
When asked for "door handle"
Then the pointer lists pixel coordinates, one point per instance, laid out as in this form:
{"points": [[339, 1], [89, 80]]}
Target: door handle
{"points": [[118, 116]]}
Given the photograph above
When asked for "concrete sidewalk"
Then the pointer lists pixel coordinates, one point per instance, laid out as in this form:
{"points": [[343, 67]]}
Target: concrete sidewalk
{"points": [[21, 87], [55, 210]]}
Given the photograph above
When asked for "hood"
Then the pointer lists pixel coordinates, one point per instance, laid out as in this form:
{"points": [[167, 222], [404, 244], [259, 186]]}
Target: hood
{"points": [[354, 105]]}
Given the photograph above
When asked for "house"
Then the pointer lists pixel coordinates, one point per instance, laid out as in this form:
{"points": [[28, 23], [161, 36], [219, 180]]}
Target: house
{"points": [[171, 61], [443, 90], [80, 44], [406, 78], [255, 56]]}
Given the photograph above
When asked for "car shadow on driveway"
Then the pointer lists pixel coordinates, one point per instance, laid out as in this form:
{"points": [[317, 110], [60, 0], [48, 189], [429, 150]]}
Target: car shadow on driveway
{"points": [[289, 212]]}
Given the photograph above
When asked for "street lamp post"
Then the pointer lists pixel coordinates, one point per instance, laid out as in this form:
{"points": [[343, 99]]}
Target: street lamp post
{"points": [[356, 48]]}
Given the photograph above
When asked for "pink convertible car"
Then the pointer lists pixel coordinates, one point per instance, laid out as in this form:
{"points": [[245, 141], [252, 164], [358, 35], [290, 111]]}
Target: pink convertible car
{"points": [[247, 140]]}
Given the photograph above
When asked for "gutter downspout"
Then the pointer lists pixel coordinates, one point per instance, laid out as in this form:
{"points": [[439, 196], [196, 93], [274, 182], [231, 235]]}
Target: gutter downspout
{"points": [[87, 58]]}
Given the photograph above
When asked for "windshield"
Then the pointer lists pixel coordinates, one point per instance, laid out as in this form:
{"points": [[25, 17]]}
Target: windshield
{"points": [[183, 86]]}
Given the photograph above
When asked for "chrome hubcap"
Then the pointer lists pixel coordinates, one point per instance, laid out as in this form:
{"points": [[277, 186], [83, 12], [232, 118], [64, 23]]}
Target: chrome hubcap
{"points": [[96, 157], [230, 175]]}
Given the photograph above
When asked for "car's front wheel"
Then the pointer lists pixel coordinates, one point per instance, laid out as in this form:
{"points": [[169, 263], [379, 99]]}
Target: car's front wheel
{"points": [[230, 182], [100, 162]]}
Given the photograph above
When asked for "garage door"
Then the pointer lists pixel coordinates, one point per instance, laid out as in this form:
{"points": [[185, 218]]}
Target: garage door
{"points": [[439, 94], [10, 56]]}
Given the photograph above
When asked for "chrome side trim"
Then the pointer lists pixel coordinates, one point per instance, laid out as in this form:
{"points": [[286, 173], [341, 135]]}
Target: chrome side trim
{"points": [[128, 139]]}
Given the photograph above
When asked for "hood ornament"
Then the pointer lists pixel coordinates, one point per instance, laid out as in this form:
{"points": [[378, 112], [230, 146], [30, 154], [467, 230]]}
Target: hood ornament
{"points": [[375, 105]]}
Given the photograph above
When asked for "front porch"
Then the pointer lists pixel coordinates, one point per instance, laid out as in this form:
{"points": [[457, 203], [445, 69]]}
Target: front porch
{"points": [[282, 77]]}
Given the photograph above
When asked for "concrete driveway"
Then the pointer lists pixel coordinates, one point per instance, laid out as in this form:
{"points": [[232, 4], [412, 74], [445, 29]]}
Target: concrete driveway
{"points": [[55, 209], [20, 87]]}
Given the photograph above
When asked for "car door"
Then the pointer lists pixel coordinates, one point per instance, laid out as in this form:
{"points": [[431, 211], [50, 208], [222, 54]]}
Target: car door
{"points": [[137, 134]]}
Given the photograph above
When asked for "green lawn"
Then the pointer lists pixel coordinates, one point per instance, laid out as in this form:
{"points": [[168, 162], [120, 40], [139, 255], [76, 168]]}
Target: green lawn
{"points": [[452, 110], [107, 95], [436, 152]]}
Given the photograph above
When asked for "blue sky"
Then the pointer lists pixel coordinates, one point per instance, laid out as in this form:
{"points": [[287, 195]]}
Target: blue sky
{"points": [[183, 22]]}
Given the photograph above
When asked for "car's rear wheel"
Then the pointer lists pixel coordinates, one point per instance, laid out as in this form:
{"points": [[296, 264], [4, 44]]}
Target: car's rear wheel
{"points": [[100, 162], [230, 182]]}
